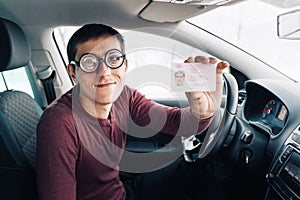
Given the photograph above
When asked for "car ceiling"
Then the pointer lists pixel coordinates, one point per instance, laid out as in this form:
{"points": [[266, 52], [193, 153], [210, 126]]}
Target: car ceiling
{"points": [[119, 13]]}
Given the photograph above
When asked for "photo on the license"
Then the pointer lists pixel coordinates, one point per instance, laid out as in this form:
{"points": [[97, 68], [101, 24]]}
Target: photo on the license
{"points": [[190, 77]]}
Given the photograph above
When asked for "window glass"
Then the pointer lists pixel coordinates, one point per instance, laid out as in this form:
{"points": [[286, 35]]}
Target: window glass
{"points": [[149, 60], [2, 83], [16, 79], [61, 37], [252, 26]]}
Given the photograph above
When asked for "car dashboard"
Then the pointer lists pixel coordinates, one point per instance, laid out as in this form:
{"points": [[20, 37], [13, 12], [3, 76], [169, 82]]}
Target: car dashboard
{"points": [[272, 108], [266, 111]]}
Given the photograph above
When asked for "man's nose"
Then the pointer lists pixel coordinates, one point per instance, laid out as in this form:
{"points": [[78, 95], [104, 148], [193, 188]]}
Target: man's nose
{"points": [[103, 69]]}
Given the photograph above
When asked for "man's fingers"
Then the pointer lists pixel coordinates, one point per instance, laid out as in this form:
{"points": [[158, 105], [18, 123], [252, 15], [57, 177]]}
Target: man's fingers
{"points": [[202, 59], [189, 60], [206, 60], [213, 60], [222, 65]]}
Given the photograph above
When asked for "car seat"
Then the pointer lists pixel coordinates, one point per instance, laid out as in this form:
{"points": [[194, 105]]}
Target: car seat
{"points": [[19, 116]]}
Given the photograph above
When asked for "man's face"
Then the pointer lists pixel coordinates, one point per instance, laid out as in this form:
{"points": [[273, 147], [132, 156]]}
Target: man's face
{"points": [[104, 85], [179, 78]]}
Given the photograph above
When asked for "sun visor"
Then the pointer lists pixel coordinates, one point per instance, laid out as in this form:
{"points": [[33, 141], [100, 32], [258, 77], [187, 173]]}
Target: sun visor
{"points": [[169, 12], [178, 10]]}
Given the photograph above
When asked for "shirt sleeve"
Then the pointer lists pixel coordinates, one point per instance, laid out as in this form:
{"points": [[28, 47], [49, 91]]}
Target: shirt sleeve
{"points": [[160, 118], [56, 157]]}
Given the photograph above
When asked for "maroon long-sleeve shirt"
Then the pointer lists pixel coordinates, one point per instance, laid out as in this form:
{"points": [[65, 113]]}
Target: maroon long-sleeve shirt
{"points": [[78, 155]]}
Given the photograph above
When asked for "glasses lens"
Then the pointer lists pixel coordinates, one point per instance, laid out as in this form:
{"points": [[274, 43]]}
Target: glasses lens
{"points": [[89, 63], [114, 58]]}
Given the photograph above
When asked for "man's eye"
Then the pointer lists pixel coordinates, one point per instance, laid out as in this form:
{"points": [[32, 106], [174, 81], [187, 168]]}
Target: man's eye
{"points": [[114, 58]]}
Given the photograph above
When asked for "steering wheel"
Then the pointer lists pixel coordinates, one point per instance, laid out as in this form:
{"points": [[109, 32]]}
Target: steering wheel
{"points": [[221, 130]]}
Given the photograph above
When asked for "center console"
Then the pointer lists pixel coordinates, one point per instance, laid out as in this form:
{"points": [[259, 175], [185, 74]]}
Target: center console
{"points": [[284, 177]]}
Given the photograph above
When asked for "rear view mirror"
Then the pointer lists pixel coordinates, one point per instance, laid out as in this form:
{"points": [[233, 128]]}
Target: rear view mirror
{"points": [[288, 25]]}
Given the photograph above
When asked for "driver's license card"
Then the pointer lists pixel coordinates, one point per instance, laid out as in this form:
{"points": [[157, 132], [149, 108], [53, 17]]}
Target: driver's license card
{"points": [[193, 77]]}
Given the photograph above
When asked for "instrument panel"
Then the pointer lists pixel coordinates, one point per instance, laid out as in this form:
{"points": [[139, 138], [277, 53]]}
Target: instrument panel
{"points": [[273, 115], [265, 110], [274, 112]]}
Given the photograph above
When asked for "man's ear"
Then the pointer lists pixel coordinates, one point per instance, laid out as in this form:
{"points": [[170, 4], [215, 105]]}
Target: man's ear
{"points": [[126, 64], [71, 71]]}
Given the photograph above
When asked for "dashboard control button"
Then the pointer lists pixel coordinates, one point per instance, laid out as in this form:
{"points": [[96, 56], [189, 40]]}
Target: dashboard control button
{"points": [[295, 136], [247, 137]]}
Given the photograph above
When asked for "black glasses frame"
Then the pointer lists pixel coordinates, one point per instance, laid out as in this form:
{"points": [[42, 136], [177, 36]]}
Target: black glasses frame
{"points": [[99, 60]]}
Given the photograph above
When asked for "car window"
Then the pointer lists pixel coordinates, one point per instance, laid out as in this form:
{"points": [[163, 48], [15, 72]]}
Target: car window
{"points": [[149, 59], [252, 26], [16, 79]]}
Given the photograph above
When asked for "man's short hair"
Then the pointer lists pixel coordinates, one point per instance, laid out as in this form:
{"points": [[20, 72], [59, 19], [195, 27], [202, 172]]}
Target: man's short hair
{"points": [[180, 72], [91, 31]]}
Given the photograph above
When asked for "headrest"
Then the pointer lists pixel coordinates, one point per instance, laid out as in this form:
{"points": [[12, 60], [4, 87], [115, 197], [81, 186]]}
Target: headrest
{"points": [[14, 49]]}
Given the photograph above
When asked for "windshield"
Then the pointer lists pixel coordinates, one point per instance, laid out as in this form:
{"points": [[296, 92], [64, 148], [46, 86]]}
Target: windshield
{"points": [[252, 26]]}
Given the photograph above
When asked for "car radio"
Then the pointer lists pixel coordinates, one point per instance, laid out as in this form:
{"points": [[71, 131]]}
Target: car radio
{"points": [[284, 177]]}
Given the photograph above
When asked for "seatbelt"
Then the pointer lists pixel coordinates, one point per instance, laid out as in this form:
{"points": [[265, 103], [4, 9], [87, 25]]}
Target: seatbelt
{"points": [[47, 77]]}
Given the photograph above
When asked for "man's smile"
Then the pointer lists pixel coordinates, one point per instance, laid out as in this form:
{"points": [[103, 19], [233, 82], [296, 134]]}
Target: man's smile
{"points": [[105, 85]]}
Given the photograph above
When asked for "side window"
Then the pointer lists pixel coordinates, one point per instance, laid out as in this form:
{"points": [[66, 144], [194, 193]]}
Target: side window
{"points": [[61, 36], [150, 58], [2, 83], [16, 79]]}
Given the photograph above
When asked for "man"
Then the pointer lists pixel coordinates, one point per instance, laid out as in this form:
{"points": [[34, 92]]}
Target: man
{"points": [[81, 136], [179, 77]]}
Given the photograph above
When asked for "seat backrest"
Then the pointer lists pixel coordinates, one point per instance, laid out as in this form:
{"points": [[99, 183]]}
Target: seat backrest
{"points": [[19, 116]]}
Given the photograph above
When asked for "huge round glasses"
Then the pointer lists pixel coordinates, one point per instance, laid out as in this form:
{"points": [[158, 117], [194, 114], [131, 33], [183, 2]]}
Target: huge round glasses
{"points": [[89, 62]]}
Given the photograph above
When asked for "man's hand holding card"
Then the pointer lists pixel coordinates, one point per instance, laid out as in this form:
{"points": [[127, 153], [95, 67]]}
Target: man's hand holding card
{"points": [[204, 103]]}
